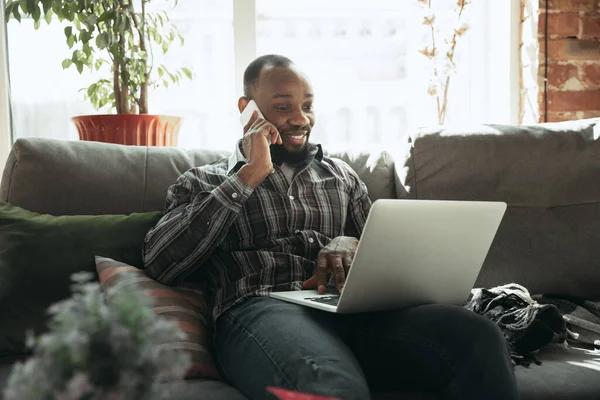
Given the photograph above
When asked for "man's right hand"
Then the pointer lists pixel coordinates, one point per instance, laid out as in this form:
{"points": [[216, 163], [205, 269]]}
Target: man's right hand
{"points": [[255, 144]]}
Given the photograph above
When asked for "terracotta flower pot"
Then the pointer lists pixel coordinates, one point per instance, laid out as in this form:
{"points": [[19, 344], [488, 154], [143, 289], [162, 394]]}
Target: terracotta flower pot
{"points": [[129, 129]]}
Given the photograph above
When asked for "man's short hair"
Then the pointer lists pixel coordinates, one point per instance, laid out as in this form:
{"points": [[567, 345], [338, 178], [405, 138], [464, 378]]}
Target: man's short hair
{"points": [[253, 70]]}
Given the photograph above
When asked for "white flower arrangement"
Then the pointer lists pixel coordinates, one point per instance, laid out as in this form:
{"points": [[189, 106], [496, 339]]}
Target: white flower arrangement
{"points": [[442, 52], [99, 351]]}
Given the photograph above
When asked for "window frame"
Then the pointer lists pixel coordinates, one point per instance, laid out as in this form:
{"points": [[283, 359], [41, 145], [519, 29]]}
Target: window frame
{"points": [[6, 138]]}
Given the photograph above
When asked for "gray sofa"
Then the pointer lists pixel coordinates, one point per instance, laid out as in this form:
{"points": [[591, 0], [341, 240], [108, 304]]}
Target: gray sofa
{"points": [[549, 240]]}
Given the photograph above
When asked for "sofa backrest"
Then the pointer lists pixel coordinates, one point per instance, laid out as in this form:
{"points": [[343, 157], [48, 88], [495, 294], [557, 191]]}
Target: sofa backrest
{"points": [[73, 177], [548, 174]]}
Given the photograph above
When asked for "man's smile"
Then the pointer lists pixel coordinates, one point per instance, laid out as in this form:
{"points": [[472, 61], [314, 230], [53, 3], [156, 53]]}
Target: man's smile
{"points": [[294, 137]]}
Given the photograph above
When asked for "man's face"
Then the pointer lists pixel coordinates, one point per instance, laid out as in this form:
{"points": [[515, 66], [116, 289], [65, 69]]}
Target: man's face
{"points": [[285, 97]]}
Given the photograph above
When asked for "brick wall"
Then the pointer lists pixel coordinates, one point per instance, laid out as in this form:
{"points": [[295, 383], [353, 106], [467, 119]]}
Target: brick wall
{"points": [[573, 59]]}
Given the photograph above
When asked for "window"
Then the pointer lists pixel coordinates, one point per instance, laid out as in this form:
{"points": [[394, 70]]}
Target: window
{"points": [[44, 96], [362, 56]]}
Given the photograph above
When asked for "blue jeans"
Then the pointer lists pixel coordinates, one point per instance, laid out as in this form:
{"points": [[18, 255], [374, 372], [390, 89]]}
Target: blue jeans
{"points": [[438, 348]]}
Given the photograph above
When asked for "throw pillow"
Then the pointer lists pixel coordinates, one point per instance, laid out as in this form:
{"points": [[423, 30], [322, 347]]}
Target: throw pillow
{"points": [[185, 304], [39, 253]]}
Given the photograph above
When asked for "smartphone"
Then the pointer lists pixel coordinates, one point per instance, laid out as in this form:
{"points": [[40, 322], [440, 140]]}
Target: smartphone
{"points": [[247, 114]]}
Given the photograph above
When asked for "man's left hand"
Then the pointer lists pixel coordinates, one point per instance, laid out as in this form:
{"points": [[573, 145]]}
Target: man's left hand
{"points": [[335, 258]]}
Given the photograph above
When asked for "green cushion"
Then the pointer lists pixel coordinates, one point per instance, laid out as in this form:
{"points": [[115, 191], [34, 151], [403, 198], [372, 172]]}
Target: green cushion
{"points": [[38, 254]]}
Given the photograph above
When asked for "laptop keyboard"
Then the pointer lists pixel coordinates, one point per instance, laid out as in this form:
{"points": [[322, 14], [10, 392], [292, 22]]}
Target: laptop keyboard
{"points": [[331, 300]]}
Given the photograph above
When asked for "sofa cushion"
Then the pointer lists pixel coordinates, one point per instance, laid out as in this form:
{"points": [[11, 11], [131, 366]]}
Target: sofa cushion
{"points": [[197, 389], [74, 178], [183, 304], [565, 374], [547, 174], [40, 252]]}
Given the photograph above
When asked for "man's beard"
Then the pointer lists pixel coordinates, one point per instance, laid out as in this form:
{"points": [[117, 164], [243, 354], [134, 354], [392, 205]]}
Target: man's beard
{"points": [[280, 154]]}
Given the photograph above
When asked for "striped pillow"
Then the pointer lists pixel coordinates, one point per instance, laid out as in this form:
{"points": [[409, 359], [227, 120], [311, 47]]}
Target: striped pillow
{"points": [[184, 304]]}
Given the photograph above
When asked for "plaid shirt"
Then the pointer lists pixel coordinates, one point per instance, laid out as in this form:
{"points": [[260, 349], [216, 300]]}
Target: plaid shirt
{"points": [[248, 242]]}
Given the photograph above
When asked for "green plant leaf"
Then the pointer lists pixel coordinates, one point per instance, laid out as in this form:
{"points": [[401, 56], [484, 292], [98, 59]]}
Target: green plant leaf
{"points": [[16, 14], [87, 51], [47, 6], [102, 40], [110, 14], [31, 6], [156, 36], [67, 63], [91, 89], [187, 73], [70, 13], [91, 20], [130, 42], [80, 67], [85, 36], [119, 26], [165, 46], [68, 31], [8, 12], [48, 16], [36, 24], [36, 13], [71, 41]]}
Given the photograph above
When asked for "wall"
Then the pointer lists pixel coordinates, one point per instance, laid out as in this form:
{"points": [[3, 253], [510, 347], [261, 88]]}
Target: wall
{"points": [[572, 41]]}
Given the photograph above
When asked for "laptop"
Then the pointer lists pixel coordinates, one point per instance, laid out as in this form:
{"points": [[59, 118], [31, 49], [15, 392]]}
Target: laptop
{"points": [[412, 252]]}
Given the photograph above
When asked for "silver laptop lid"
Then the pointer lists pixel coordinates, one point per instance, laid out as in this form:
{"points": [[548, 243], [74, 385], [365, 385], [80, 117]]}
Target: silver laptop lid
{"points": [[420, 251]]}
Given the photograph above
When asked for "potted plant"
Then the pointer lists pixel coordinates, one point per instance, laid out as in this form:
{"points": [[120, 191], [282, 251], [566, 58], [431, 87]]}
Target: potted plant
{"points": [[101, 351], [115, 37]]}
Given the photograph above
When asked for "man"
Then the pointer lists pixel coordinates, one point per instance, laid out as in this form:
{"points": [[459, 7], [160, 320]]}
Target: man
{"points": [[279, 215]]}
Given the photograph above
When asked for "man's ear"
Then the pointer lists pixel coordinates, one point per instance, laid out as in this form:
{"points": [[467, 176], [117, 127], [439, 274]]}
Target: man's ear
{"points": [[242, 103]]}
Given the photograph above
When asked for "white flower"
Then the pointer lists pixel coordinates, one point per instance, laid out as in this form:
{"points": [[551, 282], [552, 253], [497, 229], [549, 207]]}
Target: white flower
{"points": [[429, 18], [428, 52], [462, 27], [447, 68], [432, 90], [461, 3]]}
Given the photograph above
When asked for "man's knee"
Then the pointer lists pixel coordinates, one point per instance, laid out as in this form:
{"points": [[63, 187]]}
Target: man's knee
{"points": [[328, 377], [479, 333]]}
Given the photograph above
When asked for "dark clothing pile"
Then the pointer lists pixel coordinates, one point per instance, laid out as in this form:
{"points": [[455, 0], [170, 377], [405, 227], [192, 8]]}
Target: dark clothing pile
{"points": [[531, 322]]}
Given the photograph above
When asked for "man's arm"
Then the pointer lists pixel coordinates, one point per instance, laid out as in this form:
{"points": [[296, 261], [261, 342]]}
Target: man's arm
{"points": [[358, 208], [197, 221], [337, 256], [199, 215]]}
